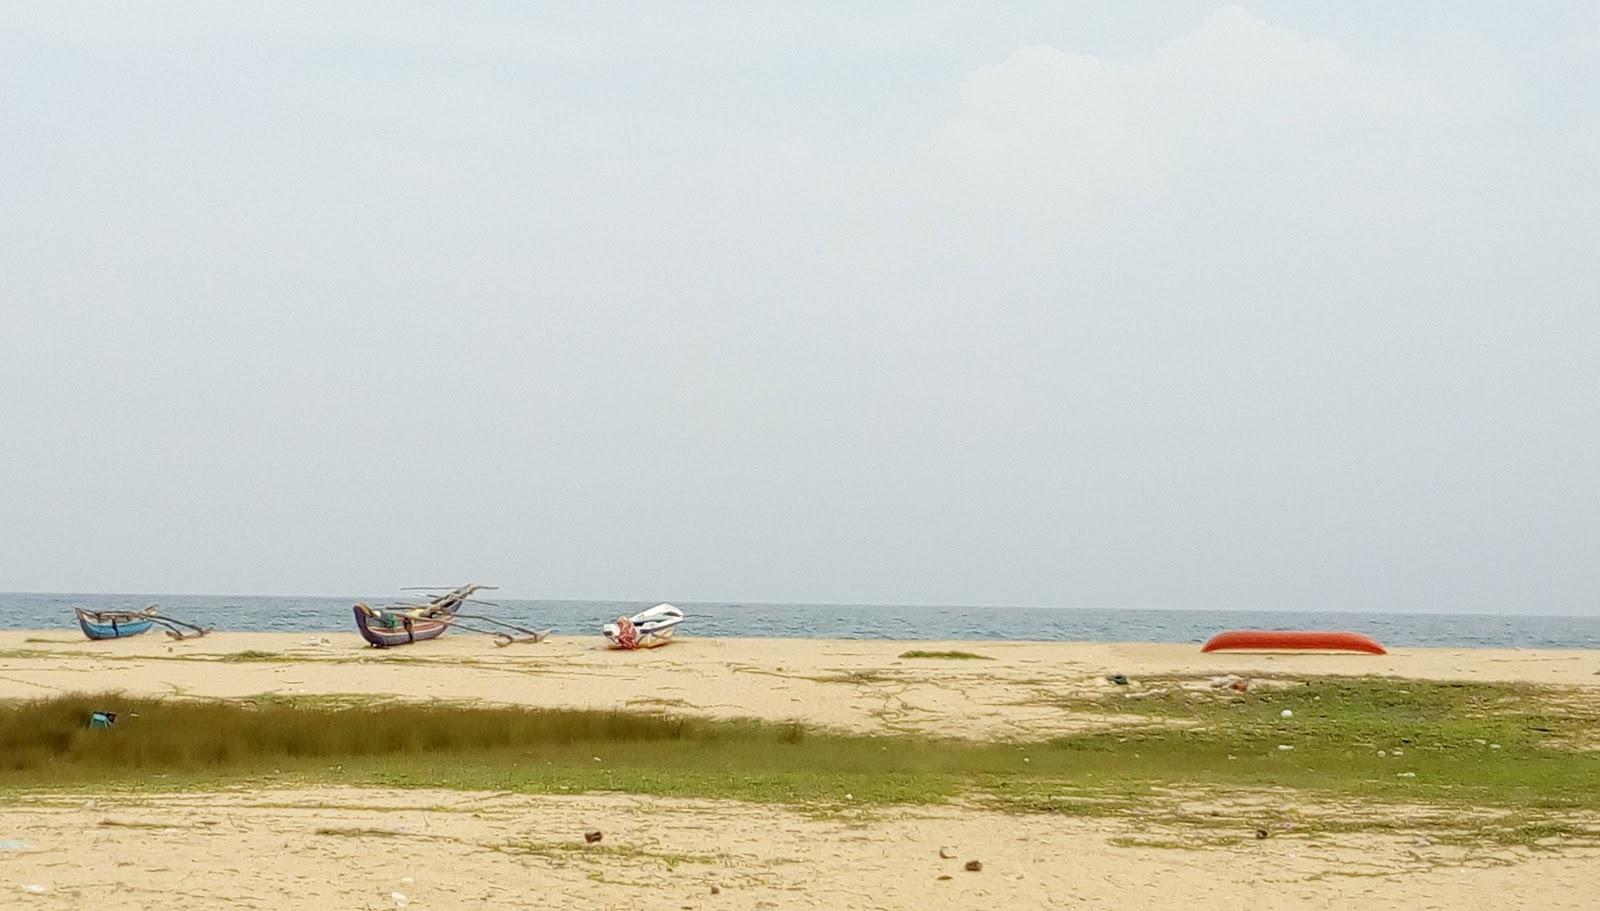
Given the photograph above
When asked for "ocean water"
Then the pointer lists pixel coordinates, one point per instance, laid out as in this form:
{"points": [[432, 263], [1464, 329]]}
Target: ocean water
{"points": [[835, 621]]}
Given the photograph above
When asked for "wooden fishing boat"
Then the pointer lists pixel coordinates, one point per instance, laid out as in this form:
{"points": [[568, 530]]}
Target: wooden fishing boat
{"points": [[388, 628], [1297, 640], [122, 624], [114, 624], [405, 624]]}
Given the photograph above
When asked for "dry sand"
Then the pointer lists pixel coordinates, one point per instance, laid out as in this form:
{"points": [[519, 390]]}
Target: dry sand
{"points": [[854, 685], [333, 848], [350, 849]]}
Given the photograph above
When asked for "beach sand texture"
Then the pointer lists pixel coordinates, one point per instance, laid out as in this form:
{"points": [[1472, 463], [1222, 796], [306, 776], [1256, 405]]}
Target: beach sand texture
{"points": [[349, 848], [369, 848], [861, 686]]}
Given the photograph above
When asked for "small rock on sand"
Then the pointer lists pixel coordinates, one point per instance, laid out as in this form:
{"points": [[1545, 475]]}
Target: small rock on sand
{"points": [[974, 866], [593, 835]]}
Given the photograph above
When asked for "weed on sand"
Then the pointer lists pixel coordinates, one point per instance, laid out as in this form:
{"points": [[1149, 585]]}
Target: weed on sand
{"points": [[1348, 740]]}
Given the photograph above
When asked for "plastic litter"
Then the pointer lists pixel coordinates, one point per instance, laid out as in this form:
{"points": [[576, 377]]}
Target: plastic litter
{"points": [[1286, 713], [102, 719], [1118, 679], [15, 844], [34, 889], [400, 900]]}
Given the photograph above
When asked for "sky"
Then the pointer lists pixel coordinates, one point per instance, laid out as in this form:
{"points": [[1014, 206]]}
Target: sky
{"points": [[1289, 305]]}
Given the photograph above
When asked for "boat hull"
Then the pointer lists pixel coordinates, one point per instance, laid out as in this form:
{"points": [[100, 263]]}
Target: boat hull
{"points": [[407, 632], [112, 629], [1292, 640]]}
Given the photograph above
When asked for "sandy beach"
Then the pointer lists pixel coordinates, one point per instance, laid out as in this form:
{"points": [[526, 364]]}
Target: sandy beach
{"points": [[337, 848], [332, 847], [861, 686]]}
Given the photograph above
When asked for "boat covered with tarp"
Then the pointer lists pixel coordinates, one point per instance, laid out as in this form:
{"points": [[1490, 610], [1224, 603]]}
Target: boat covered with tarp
{"points": [[646, 629]]}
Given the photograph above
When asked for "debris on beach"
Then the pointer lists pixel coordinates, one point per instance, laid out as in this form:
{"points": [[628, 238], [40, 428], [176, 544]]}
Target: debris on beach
{"points": [[15, 844], [1261, 833], [716, 889], [102, 719], [1118, 679], [974, 866], [948, 853], [593, 835], [1231, 682], [400, 899], [34, 889]]}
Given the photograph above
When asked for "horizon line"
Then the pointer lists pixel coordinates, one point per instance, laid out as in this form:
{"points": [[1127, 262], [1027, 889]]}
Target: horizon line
{"points": [[1292, 610]]}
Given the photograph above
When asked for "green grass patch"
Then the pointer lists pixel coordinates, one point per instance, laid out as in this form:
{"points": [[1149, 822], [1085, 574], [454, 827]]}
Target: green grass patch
{"points": [[951, 656], [249, 655], [1438, 741]]}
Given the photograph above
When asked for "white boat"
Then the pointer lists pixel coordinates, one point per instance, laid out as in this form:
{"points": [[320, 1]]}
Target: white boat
{"points": [[646, 629]]}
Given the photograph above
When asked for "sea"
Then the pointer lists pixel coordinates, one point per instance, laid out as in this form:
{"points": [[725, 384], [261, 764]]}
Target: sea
{"points": [[844, 621]]}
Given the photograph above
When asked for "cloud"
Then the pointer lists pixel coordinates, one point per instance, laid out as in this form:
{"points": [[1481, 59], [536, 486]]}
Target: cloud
{"points": [[1235, 96]]}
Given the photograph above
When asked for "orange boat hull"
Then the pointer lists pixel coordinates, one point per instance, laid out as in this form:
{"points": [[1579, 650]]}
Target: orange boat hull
{"points": [[1275, 640]]}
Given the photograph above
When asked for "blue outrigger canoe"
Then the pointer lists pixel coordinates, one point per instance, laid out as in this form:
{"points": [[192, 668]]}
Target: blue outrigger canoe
{"points": [[118, 625], [100, 625]]}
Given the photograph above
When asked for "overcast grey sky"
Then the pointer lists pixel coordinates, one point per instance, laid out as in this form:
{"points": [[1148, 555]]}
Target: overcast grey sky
{"points": [[1289, 305]]}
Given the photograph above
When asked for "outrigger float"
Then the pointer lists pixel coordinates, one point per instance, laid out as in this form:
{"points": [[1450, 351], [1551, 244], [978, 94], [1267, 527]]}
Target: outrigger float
{"points": [[404, 624], [120, 624]]}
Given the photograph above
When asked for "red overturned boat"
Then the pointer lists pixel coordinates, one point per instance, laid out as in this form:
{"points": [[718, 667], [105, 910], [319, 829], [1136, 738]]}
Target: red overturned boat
{"points": [[1299, 640]]}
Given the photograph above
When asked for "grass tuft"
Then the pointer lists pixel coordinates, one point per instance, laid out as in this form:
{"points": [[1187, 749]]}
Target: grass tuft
{"points": [[249, 655], [953, 656]]}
